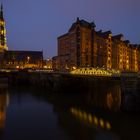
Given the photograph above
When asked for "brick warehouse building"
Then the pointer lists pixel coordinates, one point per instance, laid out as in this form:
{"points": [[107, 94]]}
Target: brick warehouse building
{"points": [[83, 46]]}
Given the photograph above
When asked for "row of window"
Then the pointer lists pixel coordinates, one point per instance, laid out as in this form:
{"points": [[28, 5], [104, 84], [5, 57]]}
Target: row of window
{"points": [[20, 63]]}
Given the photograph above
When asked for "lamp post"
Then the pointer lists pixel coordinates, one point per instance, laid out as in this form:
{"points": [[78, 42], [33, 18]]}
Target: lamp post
{"points": [[28, 59]]}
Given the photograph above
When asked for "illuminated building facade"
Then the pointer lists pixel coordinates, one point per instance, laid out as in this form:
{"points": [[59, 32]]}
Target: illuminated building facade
{"points": [[3, 43], [83, 46], [23, 59], [47, 64], [55, 63]]}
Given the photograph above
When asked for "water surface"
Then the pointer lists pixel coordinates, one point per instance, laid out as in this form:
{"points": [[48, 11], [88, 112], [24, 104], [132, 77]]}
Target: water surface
{"points": [[100, 113]]}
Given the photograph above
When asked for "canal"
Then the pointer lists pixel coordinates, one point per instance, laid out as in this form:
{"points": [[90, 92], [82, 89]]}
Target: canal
{"points": [[101, 112]]}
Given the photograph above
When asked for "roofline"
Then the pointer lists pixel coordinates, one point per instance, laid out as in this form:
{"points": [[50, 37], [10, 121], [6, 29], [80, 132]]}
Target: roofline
{"points": [[22, 51], [62, 36]]}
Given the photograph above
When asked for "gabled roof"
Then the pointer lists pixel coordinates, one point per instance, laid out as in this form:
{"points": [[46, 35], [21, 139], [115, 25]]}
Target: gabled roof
{"points": [[127, 41], [134, 45], [103, 34], [62, 36], [82, 23], [118, 37]]}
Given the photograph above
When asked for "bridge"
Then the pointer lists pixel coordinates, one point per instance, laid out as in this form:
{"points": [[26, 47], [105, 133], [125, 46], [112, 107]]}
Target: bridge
{"points": [[96, 72], [93, 72], [82, 77]]}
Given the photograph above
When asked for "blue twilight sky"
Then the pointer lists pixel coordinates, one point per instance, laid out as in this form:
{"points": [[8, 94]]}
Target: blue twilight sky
{"points": [[36, 24]]}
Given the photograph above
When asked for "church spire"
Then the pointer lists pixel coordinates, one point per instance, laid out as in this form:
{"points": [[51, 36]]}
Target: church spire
{"points": [[1, 7], [3, 44], [1, 13]]}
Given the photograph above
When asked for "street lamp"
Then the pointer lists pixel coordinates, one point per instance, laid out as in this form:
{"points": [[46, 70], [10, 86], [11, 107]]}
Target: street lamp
{"points": [[28, 58]]}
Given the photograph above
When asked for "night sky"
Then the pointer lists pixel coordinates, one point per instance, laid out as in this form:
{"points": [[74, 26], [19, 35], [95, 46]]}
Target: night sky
{"points": [[36, 24]]}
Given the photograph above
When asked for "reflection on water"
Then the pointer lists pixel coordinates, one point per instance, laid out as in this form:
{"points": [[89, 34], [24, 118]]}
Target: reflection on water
{"points": [[105, 96], [41, 114], [114, 99], [90, 119], [4, 101]]}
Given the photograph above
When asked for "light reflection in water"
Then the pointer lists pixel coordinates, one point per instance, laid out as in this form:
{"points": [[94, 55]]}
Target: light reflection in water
{"points": [[90, 119], [4, 102], [66, 114], [105, 96], [113, 99]]}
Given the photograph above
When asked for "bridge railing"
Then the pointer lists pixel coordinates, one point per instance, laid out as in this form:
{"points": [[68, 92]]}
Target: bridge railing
{"points": [[96, 72]]}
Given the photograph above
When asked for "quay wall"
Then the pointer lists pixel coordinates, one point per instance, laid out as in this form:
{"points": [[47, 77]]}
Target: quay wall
{"points": [[69, 82], [125, 88], [54, 80]]}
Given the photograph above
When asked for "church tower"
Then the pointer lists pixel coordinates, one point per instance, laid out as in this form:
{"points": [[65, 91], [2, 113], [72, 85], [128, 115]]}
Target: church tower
{"points": [[3, 43]]}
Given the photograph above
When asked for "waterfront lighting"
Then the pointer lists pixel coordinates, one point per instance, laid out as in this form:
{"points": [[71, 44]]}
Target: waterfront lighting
{"points": [[95, 120], [108, 126], [17, 67], [90, 118], [96, 72], [101, 122], [74, 68], [28, 57]]}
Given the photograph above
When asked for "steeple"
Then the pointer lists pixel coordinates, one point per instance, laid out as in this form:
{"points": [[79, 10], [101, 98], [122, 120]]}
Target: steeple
{"points": [[3, 43], [1, 13]]}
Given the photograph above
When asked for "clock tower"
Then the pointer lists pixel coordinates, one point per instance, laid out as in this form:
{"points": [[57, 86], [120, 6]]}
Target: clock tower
{"points": [[3, 43]]}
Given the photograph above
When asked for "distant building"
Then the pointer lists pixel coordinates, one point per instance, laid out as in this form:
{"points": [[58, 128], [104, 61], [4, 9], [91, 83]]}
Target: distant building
{"points": [[47, 64], [23, 59], [83, 46], [55, 63]]}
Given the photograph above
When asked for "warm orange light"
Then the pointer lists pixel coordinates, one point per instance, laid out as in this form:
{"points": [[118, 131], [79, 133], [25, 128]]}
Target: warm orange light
{"points": [[108, 126], [101, 123], [90, 119], [17, 67]]}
